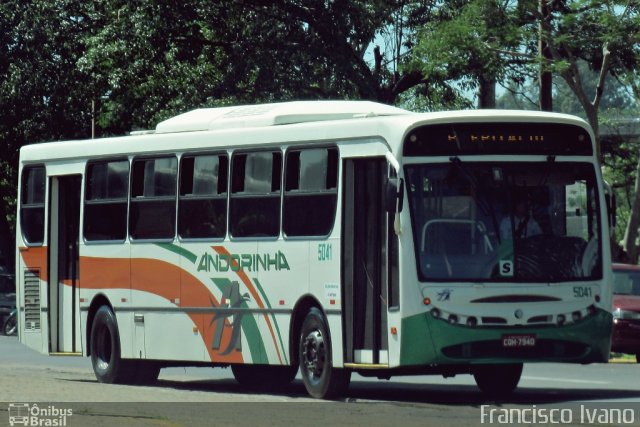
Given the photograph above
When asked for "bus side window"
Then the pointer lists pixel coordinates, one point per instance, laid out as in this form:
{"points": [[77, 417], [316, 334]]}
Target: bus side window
{"points": [[32, 208], [310, 192], [254, 205], [202, 206], [106, 193], [153, 198]]}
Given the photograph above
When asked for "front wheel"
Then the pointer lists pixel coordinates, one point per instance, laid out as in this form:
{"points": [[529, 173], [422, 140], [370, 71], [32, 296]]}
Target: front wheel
{"points": [[320, 378], [105, 349], [497, 380], [10, 325]]}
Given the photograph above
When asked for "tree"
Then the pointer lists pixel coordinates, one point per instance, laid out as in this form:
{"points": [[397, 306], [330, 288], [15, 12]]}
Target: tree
{"points": [[474, 44], [601, 34], [42, 94], [153, 59]]}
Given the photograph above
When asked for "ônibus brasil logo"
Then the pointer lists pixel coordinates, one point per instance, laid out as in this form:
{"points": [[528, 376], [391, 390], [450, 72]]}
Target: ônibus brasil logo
{"points": [[26, 414]]}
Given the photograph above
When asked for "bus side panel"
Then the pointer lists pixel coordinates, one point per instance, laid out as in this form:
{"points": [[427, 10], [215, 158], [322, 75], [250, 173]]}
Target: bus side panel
{"points": [[324, 283], [202, 290], [159, 313], [280, 282], [31, 277], [105, 270]]}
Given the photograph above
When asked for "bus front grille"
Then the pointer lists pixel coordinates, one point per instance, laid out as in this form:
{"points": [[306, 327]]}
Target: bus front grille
{"points": [[544, 349]]}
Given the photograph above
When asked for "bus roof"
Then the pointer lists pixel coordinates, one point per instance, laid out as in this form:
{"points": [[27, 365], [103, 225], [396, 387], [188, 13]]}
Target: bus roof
{"points": [[282, 113], [278, 123]]}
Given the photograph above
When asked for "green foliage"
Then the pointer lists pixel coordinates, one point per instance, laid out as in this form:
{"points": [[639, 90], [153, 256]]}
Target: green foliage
{"points": [[42, 93], [472, 39], [153, 59]]}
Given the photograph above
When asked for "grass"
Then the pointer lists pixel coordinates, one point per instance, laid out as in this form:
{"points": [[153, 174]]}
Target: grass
{"points": [[622, 358]]}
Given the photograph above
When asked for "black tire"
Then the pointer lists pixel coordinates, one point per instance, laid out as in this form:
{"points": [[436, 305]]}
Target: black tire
{"points": [[637, 357], [320, 378], [497, 380], [10, 326], [264, 376], [105, 350]]}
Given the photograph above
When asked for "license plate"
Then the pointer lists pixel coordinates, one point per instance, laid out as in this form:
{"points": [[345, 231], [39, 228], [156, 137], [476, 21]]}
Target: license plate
{"points": [[518, 341]]}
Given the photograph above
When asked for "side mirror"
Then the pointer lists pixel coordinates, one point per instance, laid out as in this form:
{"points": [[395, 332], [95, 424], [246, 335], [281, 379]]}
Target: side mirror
{"points": [[394, 195]]}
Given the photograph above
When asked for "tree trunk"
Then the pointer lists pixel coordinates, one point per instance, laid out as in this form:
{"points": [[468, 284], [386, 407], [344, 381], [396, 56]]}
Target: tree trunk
{"points": [[487, 92], [546, 77]]}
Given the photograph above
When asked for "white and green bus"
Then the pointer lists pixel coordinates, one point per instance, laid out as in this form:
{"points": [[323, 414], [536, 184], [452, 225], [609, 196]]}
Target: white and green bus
{"points": [[329, 236]]}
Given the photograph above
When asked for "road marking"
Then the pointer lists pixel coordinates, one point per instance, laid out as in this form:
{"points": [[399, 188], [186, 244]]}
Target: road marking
{"points": [[562, 380]]}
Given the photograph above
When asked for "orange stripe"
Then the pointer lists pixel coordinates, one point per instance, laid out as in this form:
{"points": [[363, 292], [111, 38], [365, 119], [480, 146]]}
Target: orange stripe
{"points": [[153, 276], [36, 258], [165, 280]]}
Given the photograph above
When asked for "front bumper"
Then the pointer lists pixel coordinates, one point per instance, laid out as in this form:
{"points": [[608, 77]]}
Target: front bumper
{"points": [[426, 340]]}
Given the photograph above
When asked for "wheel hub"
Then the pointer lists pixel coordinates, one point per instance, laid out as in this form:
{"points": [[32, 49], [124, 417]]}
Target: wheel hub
{"points": [[314, 353], [104, 349]]}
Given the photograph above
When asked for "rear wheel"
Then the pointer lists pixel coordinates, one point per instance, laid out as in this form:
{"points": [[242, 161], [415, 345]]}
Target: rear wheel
{"points": [[105, 349], [10, 325], [320, 378], [264, 376], [497, 380]]}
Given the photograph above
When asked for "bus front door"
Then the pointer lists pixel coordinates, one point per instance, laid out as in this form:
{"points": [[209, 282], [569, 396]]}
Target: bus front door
{"points": [[64, 233], [364, 267]]}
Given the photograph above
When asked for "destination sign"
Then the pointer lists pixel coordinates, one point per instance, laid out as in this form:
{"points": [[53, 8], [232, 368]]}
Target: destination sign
{"points": [[498, 138]]}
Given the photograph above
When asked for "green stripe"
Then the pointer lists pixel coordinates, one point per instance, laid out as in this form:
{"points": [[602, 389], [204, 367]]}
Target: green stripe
{"points": [[180, 251], [249, 327], [273, 317]]}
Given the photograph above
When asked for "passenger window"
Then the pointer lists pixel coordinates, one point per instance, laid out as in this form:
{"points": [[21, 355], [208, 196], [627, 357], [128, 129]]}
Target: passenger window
{"points": [[32, 209], [153, 198], [202, 208], [105, 208], [254, 209], [311, 195]]}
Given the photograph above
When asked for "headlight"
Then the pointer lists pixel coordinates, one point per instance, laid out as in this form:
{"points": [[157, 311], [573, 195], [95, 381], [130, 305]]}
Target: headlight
{"points": [[625, 314]]}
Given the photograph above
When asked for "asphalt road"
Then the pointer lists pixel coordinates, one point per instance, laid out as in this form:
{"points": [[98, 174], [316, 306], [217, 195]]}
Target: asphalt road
{"points": [[210, 396]]}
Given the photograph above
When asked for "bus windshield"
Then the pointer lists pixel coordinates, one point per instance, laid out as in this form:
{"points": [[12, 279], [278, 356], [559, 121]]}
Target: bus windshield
{"points": [[529, 222]]}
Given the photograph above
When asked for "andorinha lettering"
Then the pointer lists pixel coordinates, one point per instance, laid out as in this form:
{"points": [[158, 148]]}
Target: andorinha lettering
{"points": [[247, 262]]}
